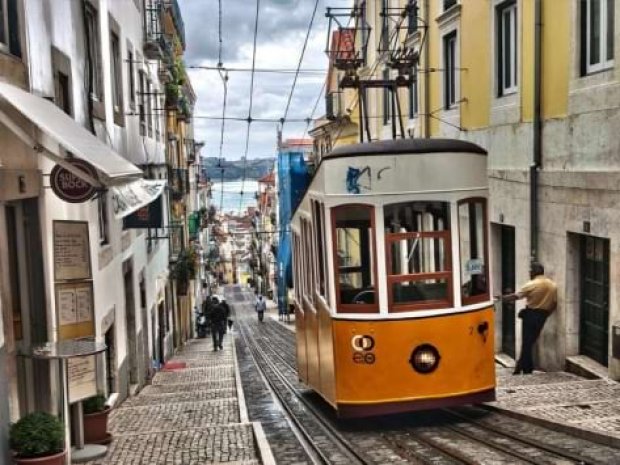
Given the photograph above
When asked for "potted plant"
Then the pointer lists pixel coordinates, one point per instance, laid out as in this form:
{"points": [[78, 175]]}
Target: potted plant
{"points": [[96, 420], [38, 439], [184, 270]]}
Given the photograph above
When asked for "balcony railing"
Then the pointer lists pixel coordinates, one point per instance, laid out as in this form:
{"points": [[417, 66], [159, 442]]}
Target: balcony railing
{"points": [[178, 179], [177, 19]]}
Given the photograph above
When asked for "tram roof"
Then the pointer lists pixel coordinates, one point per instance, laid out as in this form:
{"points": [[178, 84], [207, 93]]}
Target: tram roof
{"points": [[408, 146]]}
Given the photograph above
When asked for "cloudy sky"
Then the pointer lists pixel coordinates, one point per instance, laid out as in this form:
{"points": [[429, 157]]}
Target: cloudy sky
{"points": [[282, 28]]}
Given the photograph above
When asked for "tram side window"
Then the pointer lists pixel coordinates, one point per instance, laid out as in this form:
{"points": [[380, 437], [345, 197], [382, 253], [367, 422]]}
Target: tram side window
{"points": [[418, 255], [319, 243], [355, 257], [473, 250]]}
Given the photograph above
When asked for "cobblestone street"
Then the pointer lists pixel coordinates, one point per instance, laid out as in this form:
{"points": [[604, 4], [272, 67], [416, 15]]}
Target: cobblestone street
{"points": [[186, 416]]}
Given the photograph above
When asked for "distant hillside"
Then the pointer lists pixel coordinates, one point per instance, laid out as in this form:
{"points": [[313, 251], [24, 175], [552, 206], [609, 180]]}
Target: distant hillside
{"points": [[233, 169]]}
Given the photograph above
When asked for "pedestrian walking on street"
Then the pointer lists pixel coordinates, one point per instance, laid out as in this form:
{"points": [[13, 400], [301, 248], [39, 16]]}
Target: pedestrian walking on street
{"points": [[540, 294], [261, 306], [228, 318], [218, 323]]}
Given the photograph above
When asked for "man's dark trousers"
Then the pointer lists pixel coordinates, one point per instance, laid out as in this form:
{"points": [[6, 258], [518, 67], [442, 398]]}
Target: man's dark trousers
{"points": [[217, 331], [533, 322]]}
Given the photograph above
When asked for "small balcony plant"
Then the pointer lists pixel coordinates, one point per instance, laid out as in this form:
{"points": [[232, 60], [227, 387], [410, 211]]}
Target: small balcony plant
{"points": [[184, 269], [96, 414], [38, 438]]}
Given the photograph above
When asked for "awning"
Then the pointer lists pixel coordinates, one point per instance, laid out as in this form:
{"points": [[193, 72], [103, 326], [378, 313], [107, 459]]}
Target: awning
{"points": [[132, 196], [66, 133]]}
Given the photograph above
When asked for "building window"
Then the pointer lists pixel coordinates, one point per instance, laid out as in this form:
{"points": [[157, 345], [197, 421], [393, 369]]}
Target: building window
{"points": [[117, 76], [149, 108], [141, 102], [412, 17], [387, 99], [9, 27], [448, 4], [597, 35], [354, 258], [506, 44], [94, 50], [385, 25], [413, 99], [131, 80], [449, 73], [418, 257], [103, 220], [61, 68], [473, 250]]}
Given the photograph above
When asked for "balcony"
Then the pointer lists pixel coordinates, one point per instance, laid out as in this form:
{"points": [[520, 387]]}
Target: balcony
{"points": [[178, 180], [174, 11]]}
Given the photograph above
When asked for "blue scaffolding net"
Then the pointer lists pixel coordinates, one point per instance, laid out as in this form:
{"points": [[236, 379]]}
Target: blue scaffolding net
{"points": [[293, 180]]}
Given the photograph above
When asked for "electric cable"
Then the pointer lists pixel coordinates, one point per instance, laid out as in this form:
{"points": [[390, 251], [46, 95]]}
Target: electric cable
{"points": [[249, 120]]}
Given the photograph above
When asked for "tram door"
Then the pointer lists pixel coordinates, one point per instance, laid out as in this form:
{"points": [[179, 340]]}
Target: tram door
{"points": [[594, 300], [508, 286]]}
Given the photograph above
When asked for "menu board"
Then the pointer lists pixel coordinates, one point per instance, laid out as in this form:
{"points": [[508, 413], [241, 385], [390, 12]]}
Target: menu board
{"points": [[74, 303], [71, 250], [82, 378]]}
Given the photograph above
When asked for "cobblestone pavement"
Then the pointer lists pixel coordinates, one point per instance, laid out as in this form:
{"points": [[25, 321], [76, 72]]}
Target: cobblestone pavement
{"points": [[562, 398], [188, 416]]}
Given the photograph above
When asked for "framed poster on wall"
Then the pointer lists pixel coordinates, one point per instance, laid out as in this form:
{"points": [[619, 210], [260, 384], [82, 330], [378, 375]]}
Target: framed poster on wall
{"points": [[71, 250]]}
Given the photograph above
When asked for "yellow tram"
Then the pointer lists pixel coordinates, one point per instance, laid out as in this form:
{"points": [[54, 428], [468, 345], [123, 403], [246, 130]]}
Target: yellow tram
{"points": [[392, 295]]}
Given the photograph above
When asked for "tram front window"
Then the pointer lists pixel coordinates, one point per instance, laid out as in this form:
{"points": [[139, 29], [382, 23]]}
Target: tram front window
{"points": [[353, 230], [418, 255]]}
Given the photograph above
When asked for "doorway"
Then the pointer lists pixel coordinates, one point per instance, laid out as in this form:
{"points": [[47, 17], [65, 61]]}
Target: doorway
{"points": [[130, 318], [594, 298], [110, 359], [508, 286]]}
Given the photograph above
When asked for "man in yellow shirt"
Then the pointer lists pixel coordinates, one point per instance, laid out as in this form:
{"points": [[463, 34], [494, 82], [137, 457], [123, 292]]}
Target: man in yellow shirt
{"points": [[540, 294]]}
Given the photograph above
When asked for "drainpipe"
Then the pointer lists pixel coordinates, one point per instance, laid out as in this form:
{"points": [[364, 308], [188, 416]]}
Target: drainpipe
{"points": [[537, 141], [427, 93]]}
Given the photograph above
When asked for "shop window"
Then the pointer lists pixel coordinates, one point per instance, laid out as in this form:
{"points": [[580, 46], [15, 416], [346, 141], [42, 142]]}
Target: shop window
{"points": [[473, 251], [418, 255], [597, 35], [354, 258]]}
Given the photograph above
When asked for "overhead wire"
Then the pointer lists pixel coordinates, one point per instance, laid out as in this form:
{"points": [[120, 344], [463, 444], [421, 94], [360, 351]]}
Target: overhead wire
{"points": [[301, 59], [306, 71], [247, 135]]}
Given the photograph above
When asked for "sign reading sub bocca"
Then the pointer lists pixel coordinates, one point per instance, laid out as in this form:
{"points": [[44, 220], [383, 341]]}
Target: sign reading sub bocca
{"points": [[70, 187]]}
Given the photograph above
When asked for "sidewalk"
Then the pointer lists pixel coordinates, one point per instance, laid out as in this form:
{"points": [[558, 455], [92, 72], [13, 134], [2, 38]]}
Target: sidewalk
{"points": [[191, 415], [589, 408]]}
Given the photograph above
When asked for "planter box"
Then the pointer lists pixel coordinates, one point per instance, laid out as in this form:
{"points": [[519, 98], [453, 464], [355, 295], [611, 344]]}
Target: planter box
{"points": [[96, 427], [56, 459]]}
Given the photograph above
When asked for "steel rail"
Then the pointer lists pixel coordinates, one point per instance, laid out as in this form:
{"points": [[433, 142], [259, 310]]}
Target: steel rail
{"points": [[338, 440]]}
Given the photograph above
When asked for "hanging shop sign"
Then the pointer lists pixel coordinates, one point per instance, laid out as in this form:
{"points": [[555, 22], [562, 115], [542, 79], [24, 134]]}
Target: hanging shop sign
{"points": [[149, 216], [132, 196], [70, 187]]}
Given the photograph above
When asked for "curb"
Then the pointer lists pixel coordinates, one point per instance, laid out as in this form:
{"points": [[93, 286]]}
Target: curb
{"points": [[264, 449], [599, 438], [243, 410]]}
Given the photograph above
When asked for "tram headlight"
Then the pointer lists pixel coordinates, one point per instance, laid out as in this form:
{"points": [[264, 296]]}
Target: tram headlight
{"points": [[425, 359]]}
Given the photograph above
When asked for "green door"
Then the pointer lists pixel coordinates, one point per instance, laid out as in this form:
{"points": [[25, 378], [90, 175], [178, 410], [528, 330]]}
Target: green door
{"points": [[594, 301]]}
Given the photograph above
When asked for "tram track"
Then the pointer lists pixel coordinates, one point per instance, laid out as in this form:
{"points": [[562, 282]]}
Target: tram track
{"points": [[460, 437], [327, 444]]}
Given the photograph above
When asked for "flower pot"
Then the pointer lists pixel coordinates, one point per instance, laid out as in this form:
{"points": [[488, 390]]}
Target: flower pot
{"points": [[96, 427], [56, 459]]}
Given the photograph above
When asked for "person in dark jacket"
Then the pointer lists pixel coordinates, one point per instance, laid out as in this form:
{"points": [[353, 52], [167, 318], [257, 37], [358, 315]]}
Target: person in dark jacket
{"points": [[218, 325], [228, 318]]}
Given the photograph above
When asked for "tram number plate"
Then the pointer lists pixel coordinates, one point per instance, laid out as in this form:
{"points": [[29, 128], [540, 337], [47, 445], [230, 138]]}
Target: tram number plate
{"points": [[363, 349], [364, 358]]}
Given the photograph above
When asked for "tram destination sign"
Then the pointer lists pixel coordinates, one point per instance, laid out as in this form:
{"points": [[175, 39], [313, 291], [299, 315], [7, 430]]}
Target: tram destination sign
{"points": [[70, 187]]}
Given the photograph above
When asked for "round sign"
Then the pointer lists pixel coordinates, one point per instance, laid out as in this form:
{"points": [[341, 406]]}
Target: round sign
{"points": [[68, 186]]}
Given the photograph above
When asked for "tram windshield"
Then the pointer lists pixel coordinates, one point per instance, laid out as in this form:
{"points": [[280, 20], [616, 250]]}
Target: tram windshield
{"points": [[353, 229], [418, 254]]}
